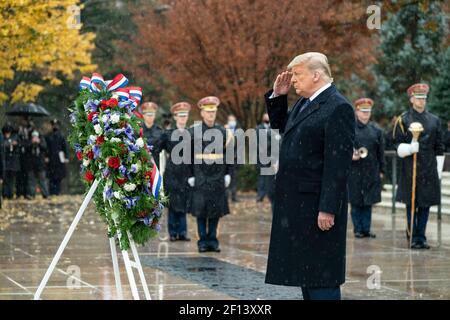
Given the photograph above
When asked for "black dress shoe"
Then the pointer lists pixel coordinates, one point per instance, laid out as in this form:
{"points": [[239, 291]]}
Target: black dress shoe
{"points": [[202, 249], [359, 235], [214, 249], [369, 235], [423, 245], [184, 238], [416, 245], [173, 238]]}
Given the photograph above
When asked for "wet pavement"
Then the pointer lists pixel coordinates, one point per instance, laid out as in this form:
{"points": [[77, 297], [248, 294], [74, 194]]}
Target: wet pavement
{"points": [[381, 268]]}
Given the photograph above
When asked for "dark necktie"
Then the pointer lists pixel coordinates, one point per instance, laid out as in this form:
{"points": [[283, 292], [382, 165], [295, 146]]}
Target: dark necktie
{"points": [[300, 108]]}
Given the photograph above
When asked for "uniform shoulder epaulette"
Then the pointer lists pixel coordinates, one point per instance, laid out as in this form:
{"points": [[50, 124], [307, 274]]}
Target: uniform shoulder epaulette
{"points": [[399, 122]]}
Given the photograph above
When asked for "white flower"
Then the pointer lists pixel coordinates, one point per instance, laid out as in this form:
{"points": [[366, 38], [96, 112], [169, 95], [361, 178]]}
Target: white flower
{"points": [[98, 129], [129, 186], [115, 140], [105, 118], [86, 162], [140, 142], [118, 195], [135, 167], [115, 118]]}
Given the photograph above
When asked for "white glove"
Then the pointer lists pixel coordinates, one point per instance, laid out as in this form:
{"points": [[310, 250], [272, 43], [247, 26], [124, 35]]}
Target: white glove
{"points": [[227, 180], [407, 149], [191, 181], [414, 147]]}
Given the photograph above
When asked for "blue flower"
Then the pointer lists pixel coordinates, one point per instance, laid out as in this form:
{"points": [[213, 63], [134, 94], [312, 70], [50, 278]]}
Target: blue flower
{"points": [[146, 221], [105, 173], [96, 150], [131, 201], [129, 132], [118, 131], [92, 106], [78, 147], [108, 193], [73, 118], [123, 170]]}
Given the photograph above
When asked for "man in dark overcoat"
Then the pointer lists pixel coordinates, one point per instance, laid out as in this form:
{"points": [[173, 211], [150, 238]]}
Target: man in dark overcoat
{"points": [[177, 173], [308, 238], [367, 169], [152, 131], [57, 158], [429, 145], [211, 175]]}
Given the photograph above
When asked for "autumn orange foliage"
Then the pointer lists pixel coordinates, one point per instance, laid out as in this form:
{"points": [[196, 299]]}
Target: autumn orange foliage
{"points": [[233, 49]]}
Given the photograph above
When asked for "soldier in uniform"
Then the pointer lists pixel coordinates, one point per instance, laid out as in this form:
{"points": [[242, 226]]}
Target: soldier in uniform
{"points": [[176, 175], [428, 191], [367, 169], [152, 132], [210, 175]]}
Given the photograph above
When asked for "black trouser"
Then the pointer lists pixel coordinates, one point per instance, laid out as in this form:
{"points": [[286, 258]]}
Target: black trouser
{"points": [[55, 186], [265, 186], [21, 183], [37, 177], [177, 223], [207, 232], [8, 184]]}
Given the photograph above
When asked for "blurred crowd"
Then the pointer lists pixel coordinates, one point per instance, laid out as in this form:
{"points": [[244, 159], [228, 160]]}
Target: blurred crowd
{"points": [[32, 159]]}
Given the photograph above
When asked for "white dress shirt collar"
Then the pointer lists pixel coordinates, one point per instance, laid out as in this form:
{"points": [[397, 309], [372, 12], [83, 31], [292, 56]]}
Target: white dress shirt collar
{"points": [[322, 89]]}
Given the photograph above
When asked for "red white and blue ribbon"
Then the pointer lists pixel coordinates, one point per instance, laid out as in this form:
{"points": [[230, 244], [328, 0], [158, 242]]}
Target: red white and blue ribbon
{"points": [[85, 83], [155, 181], [122, 94], [96, 83], [119, 81], [136, 92]]}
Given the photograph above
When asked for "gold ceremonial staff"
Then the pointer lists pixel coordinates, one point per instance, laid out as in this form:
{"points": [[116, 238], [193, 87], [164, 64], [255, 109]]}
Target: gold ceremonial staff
{"points": [[416, 128]]}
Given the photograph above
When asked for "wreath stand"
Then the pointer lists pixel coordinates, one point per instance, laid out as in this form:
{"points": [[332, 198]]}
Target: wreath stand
{"points": [[126, 259]]}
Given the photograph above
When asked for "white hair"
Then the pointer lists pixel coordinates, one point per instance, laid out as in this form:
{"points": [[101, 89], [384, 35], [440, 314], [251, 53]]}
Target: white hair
{"points": [[315, 61]]}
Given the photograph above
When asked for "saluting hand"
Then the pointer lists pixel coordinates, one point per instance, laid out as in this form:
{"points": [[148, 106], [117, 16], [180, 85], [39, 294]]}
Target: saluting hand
{"points": [[282, 83], [325, 221]]}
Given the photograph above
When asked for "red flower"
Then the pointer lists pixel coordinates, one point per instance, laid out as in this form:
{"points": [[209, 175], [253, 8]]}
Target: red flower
{"points": [[91, 116], [123, 148], [142, 214], [148, 175], [79, 155], [90, 154], [103, 105], [112, 102], [114, 162], [100, 140], [121, 181], [89, 176], [141, 132]]}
